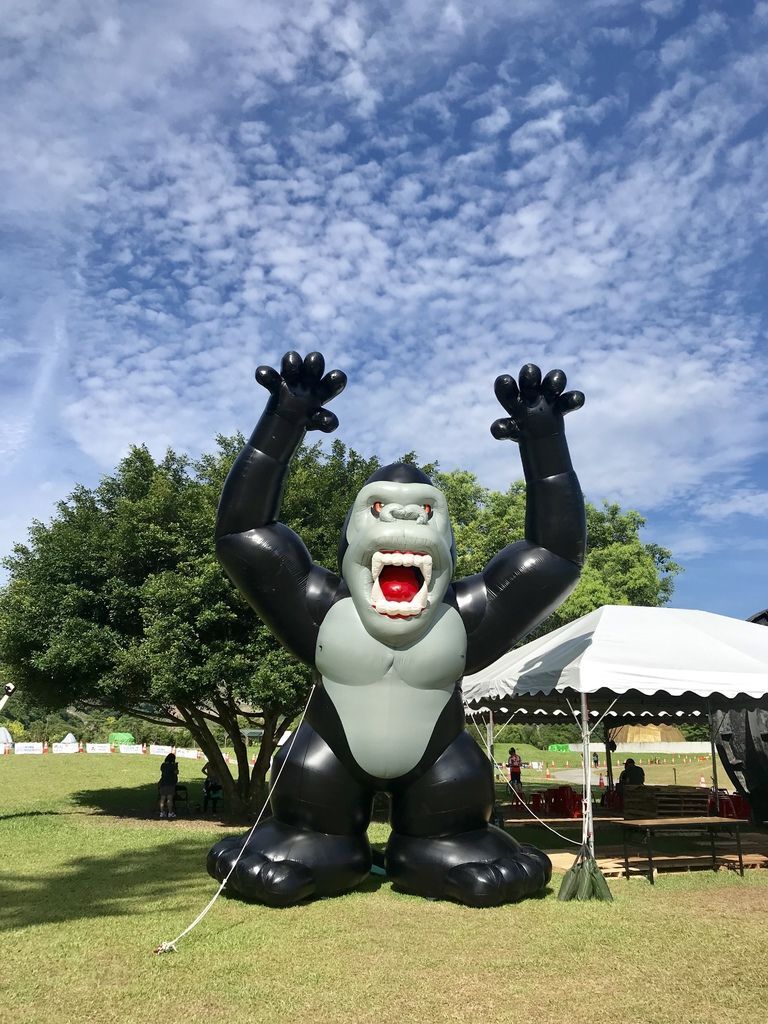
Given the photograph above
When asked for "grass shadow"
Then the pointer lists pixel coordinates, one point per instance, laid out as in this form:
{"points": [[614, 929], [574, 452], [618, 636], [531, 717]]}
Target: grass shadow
{"points": [[98, 886], [141, 802], [33, 814]]}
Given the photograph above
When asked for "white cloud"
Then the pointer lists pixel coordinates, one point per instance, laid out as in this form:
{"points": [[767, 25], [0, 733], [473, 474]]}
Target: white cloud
{"points": [[250, 178], [493, 123], [743, 501]]}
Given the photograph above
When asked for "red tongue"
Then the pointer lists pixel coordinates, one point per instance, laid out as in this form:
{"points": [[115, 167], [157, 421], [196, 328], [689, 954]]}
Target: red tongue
{"points": [[399, 582]]}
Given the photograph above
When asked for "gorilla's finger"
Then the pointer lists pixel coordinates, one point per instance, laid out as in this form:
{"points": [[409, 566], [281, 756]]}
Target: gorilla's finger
{"points": [[332, 384], [323, 420], [530, 381], [553, 384], [569, 401], [291, 366], [314, 365], [505, 389], [505, 430], [268, 378]]}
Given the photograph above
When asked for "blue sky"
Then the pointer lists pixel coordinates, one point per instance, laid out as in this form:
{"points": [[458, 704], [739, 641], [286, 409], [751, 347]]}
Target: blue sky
{"points": [[429, 193]]}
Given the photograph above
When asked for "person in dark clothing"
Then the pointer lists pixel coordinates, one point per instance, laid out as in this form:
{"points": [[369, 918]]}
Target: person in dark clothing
{"points": [[633, 775], [166, 788], [211, 787]]}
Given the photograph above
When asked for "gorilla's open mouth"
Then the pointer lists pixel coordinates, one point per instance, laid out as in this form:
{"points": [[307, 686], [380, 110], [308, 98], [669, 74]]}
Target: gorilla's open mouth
{"points": [[400, 582]]}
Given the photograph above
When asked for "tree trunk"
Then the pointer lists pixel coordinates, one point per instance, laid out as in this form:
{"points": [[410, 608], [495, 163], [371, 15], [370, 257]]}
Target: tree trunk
{"points": [[237, 808], [258, 780]]}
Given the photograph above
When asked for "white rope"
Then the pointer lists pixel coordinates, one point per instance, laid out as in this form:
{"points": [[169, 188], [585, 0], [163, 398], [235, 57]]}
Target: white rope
{"points": [[170, 947], [511, 788]]}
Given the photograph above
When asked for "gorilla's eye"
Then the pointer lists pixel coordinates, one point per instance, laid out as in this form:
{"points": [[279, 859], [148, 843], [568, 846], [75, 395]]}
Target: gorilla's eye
{"points": [[376, 509], [428, 510]]}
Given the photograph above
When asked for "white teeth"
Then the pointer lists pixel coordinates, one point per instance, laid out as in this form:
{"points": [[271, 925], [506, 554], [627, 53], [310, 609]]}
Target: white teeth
{"points": [[405, 609], [420, 561]]}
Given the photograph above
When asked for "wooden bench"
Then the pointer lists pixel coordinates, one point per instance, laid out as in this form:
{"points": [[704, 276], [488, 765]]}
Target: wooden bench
{"points": [[665, 802], [650, 810], [647, 828]]}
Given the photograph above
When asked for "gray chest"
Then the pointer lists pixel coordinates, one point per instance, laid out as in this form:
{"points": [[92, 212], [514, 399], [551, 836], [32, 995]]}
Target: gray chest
{"points": [[389, 699]]}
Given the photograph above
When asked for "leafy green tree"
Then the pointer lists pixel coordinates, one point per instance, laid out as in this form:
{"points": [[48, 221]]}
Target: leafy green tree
{"points": [[119, 604], [118, 607], [620, 568], [15, 728]]}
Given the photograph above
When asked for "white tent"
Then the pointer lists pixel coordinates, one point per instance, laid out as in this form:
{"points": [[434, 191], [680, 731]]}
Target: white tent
{"points": [[70, 738], [659, 661], [630, 664]]}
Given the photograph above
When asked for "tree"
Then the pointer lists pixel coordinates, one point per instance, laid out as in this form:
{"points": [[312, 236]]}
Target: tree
{"points": [[620, 568], [119, 604]]}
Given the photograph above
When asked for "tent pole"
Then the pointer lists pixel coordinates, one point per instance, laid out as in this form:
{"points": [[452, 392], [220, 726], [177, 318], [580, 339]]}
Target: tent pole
{"points": [[608, 758], [489, 736], [587, 833], [714, 757]]}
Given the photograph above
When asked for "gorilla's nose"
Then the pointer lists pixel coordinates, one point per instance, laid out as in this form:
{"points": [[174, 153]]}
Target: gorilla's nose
{"points": [[392, 511]]}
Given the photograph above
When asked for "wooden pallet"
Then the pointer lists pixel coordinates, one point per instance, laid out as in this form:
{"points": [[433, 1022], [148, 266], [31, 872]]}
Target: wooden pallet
{"points": [[612, 865], [665, 802]]}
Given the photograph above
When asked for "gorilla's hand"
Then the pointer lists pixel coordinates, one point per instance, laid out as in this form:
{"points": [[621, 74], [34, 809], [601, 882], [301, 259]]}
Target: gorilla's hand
{"points": [[299, 391], [536, 407]]}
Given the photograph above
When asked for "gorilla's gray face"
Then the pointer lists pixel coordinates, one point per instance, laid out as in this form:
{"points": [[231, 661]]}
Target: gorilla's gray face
{"points": [[399, 563]]}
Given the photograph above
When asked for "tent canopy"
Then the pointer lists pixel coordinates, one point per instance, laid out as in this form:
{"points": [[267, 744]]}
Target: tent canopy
{"points": [[655, 664]]}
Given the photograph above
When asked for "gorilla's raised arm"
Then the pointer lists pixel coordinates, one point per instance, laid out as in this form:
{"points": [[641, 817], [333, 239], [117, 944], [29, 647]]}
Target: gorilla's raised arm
{"points": [[522, 584], [265, 560]]}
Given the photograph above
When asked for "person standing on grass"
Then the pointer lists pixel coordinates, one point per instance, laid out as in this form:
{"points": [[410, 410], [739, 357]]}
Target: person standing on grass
{"points": [[515, 766], [169, 777]]}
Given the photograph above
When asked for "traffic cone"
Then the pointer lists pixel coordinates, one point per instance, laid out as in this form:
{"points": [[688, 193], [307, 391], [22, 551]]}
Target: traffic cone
{"points": [[601, 781], [548, 775], [703, 782], [80, 748], [45, 746], [143, 748]]}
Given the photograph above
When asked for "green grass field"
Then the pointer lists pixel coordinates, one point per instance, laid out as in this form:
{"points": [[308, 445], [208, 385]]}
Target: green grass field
{"points": [[91, 884]]}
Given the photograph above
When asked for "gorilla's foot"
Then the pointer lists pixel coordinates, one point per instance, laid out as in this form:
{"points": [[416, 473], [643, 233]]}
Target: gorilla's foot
{"points": [[481, 868], [283, 865]]}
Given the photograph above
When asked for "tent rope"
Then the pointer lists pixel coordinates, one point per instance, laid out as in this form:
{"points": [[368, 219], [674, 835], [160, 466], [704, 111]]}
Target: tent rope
{"points": [[170, 946], [500, 768]]}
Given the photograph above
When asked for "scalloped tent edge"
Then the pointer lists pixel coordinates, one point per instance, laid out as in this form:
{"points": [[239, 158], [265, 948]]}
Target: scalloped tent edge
{"points": [[624, 663]]}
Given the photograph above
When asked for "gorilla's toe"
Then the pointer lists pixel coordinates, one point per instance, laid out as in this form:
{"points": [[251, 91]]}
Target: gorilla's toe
{"points": [[537, 864], [276, 883], [477, 885], [222, 855], [504, 880]]}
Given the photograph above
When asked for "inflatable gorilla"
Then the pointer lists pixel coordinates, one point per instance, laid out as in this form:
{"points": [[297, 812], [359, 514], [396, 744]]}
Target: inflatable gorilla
{"points": [[390, 639]]}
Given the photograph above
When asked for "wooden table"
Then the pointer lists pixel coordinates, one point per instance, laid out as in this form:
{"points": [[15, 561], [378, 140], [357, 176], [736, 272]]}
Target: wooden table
{"points": [[711, 824]]}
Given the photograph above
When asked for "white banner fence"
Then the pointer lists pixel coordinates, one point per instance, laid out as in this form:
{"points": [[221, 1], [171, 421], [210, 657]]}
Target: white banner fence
{"points": [[158, 749]]}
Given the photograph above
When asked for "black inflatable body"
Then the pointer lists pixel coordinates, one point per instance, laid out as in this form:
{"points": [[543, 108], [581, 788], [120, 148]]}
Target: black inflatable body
{"points": [[742, 743], [390, 638]]}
